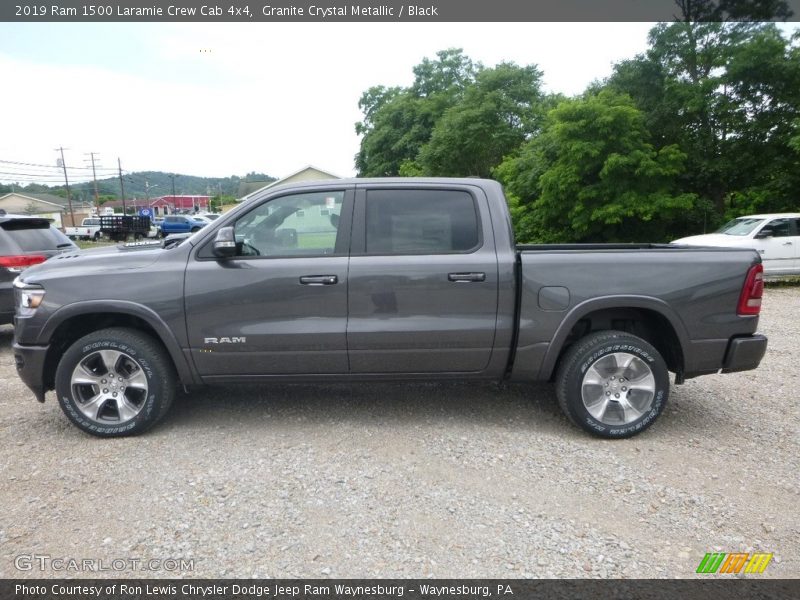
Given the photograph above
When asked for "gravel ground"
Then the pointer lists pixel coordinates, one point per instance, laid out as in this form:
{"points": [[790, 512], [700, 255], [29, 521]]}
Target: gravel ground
{"points": [[419, 480]]}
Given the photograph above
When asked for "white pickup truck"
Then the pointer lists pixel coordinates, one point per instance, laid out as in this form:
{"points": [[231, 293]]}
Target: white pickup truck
{"points": [[776, 237], [89, 229]]}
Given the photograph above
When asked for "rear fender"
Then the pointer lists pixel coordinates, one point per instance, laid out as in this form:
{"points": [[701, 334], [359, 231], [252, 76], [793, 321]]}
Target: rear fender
{"points": [[609, 302]]}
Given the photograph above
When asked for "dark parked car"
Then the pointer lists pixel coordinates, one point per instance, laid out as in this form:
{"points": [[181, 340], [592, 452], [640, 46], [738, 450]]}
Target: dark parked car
{"points": [[24, 241]]}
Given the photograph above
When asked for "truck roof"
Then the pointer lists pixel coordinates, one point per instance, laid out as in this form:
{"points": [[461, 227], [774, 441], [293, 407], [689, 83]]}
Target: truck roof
{"points": [[384, 181], [771, 216]]}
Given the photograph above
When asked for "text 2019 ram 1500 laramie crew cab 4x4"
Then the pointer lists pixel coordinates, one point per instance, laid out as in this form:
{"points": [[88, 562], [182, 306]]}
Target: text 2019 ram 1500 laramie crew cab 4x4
{"points": [[369, 279]]}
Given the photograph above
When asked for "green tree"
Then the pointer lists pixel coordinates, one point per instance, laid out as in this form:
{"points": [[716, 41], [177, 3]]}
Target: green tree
{"points": [[727, 94], [497, 112], [593, 176], [397, 122]]}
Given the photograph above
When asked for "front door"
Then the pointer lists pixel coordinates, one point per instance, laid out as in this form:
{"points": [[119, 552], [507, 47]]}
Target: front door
{"points": [[279, 306], [779, 249]]}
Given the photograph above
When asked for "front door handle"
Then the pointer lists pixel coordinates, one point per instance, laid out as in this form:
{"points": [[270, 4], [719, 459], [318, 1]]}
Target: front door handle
{"points": [[466, 277], [787, 243], [319, 279]]}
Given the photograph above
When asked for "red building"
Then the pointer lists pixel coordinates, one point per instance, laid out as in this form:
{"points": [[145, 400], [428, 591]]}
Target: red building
{"points": [[167, 205]]}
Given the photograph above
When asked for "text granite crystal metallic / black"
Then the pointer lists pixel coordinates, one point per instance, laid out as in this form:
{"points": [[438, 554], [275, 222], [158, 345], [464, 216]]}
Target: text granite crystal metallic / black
{"points": [[367, 279]]}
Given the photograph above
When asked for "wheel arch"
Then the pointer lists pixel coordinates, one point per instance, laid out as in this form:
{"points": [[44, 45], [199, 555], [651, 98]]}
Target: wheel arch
{"points": [[72, 322], [649, 318]]}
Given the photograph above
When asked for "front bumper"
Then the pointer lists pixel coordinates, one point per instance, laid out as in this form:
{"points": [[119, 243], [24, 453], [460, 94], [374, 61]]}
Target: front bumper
{"points": [[30, 367], [6, 303], [744, 353]]}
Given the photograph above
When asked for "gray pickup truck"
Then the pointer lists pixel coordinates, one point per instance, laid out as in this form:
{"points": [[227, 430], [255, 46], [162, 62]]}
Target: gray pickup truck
{"points": [[369, 279]]}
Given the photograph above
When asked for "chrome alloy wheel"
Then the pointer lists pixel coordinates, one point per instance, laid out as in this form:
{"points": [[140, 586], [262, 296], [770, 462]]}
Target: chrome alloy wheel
{"points": [[618, 388], [109, 386]]}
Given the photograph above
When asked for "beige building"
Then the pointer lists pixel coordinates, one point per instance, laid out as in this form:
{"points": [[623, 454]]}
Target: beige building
{"points": [[49, 206], [308, 173]]}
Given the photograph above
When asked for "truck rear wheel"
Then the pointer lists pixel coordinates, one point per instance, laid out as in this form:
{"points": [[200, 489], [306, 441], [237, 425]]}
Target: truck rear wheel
{"points": [[612, 384], [115, 382]]}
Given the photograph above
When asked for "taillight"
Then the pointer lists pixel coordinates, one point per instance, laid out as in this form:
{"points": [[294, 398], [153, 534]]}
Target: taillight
{"points": [[753, 289], [15, 263]]}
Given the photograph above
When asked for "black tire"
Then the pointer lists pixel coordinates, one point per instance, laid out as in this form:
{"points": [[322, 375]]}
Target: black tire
{"points": [[619, 416], [97, 236], [147, 371], [195, 229]]}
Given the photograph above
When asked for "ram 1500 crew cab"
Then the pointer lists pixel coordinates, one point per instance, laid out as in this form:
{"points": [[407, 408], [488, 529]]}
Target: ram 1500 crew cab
{"points": [[383, 279]]}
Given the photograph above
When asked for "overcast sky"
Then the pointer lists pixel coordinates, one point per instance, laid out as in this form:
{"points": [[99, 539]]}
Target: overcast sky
{"points": [[224, 99]]}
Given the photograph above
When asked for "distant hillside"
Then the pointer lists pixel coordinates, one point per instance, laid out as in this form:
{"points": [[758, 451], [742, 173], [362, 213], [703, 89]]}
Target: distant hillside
{"points": [[160, 184]]}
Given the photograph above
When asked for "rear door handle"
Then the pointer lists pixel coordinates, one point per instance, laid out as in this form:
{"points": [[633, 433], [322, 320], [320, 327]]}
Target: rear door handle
{"points": [[787, 243], [319, 279], [466, 277]]}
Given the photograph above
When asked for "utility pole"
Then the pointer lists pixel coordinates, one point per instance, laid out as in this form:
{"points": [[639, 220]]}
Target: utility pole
{"points": [[172, 176], [94, 177], [147, 187], [66, 181], [121, 186]]}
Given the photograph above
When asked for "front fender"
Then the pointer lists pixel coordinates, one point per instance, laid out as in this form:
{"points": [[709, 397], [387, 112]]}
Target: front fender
{"points": [[184, 370]]}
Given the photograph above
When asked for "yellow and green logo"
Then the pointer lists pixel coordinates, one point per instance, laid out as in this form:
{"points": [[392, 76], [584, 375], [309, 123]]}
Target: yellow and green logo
{"points": [[734, 562]]}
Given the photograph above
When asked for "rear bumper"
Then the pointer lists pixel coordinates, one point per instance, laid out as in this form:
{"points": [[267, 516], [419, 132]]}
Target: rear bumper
{"points": [[744, 353], [30, 367]]}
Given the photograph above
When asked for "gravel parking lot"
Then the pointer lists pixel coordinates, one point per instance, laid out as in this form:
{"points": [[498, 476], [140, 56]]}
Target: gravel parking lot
{"points": [[420, 480]]}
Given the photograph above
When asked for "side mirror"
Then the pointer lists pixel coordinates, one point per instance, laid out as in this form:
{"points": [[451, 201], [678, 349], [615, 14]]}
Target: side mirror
{"points": [[225, 243], [764, 233]]}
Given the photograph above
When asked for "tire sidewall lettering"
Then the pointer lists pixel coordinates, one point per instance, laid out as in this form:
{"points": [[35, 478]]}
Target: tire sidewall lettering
{"points": [[153, 403], [584, 360]]}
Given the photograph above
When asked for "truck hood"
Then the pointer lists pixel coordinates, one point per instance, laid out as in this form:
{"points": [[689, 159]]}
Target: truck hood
{"points": [[96, 260], [715, 239]]}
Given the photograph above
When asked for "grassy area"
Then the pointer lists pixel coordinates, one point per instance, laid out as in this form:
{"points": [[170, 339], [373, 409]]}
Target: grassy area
{"points": [[788, 281], [325, 239], [86, 244]]}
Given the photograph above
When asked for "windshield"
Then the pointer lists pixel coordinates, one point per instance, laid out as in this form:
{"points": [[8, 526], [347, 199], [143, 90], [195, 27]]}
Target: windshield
{"points": [[740, 226]]}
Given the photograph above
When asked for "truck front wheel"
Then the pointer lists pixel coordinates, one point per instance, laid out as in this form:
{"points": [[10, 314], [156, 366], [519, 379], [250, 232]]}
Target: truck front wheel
{"points": [[115, 382], [612, 384]]}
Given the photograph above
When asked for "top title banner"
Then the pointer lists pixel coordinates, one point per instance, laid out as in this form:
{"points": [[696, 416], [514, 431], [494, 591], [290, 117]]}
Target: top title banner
{"points": [[389, 10]]}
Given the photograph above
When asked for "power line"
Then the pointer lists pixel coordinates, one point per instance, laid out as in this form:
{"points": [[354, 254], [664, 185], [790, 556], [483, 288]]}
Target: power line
{"points": [[33, 175], [14, 162]]}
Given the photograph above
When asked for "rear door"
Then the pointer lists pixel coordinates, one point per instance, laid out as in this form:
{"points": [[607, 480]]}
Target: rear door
{"points": [[423, 281], [280, 306]]}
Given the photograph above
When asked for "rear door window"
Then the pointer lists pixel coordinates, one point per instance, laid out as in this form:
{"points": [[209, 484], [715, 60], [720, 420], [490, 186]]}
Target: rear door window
{"points": [[421, 222]]}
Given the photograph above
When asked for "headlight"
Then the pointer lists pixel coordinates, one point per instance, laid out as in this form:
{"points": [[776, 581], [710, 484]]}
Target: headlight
{"points": [[28, 297]]}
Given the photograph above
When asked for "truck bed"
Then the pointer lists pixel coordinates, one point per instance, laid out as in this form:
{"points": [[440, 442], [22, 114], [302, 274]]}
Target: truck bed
{"points": [[567, 289]]}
